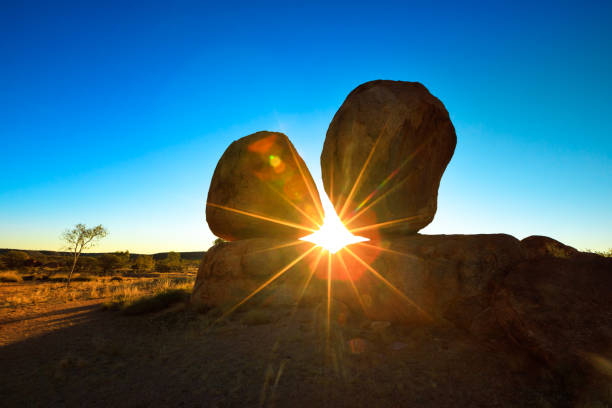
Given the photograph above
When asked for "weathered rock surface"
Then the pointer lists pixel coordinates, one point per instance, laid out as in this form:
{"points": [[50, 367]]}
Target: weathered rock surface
{"points": [[557, 308], [231, 271], [537, 246], [441, 276], [427, 276], [262, 174], [534, 298], [411, 139], [537, 300]]}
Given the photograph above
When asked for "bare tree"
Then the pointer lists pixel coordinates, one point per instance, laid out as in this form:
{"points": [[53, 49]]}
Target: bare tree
{"points": [[79, 238]]}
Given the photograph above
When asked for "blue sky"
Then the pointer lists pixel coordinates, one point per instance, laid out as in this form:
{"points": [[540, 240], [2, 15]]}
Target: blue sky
{"points": [[118, 114]]}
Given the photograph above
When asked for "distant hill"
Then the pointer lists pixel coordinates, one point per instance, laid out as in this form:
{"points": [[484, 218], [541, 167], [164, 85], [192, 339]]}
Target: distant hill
{"points": [[193, 255]]}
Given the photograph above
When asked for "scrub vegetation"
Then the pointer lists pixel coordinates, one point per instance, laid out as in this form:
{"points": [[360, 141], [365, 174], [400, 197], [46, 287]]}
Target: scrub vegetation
{"points": [[126, 282]]}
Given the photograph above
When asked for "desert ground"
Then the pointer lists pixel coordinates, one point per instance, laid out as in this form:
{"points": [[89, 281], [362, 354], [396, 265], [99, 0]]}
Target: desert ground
{"points": [[81, 346]]}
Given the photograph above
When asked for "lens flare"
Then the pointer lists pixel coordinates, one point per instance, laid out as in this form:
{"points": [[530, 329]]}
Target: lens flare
{"points": [[333, 235]]}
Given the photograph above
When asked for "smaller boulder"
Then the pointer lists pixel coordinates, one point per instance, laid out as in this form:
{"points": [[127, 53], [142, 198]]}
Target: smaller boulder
{"points": [[261, 187], [538, 246]]}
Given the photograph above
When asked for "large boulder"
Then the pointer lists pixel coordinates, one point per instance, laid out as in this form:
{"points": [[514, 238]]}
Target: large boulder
{"points": [[412, 279], [428, 277], [261, 187], [384, 154], [551, 306], [555, 310], [559, 308]]}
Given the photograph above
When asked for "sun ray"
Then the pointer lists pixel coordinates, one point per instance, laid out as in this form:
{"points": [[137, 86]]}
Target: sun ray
{"points": [[290, 244], [373, 203], [386, 282], [312, 272], [383, 184], [266, 283], [307, 283], [361, 172], [291, 203], [377, 189], [308, 186], [261, 217], [379, 248], [352, 282], [329, 282], [383, 224], [279, 373], [399, 253], [296, 305], [332, 235]]}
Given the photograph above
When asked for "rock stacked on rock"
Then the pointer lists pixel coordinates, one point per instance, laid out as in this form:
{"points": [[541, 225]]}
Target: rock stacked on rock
{"points": [[262, 175], [385, 151], [382, 161]]}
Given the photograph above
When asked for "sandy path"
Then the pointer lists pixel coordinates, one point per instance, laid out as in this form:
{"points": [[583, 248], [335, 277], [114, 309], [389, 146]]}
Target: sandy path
{"points": [[26, 322]]}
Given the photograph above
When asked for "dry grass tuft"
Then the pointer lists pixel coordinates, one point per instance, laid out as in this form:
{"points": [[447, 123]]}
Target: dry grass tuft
{"points": [[120, 294], [149, 296]]}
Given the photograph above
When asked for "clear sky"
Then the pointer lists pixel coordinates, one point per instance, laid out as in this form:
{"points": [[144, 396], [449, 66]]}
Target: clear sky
{"points": [[117, 114]]}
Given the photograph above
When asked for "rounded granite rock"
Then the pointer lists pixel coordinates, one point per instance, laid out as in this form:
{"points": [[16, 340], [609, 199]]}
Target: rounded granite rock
{"points": [[384, 154], [261, 187]]}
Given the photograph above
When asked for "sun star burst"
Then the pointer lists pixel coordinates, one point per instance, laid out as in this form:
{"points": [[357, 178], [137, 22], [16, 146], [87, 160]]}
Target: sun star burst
{"points": [[332, 235]]}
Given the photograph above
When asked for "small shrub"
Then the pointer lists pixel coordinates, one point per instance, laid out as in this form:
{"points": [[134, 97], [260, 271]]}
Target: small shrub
{"points": [[172, 263], [82, 279], [156, 303], [14, 259], [10, 276], [149, 303], [607, 254]]}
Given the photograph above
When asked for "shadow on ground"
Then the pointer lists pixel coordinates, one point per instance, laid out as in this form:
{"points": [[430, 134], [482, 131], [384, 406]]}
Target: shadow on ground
{"points": [[102, 359]]}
